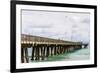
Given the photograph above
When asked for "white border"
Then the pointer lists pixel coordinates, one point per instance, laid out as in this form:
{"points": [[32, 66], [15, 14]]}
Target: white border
{"points": [[19, 65]]}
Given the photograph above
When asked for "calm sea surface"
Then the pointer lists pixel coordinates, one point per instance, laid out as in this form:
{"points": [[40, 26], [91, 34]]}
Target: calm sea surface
{"points": [[82, 54]]}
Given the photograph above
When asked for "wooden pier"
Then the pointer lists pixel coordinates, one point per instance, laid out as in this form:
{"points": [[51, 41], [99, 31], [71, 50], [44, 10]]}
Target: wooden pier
{"points": [[43, 47]]}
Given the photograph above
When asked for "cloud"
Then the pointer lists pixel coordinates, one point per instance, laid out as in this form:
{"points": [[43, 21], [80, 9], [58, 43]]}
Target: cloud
{"points": [[57, 25]]}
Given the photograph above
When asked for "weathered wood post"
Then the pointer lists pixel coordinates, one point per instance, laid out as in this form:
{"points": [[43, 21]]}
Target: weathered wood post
{"points": [[60, 49], [43, 52], [47, 54], [26, 55], [51, 50], [37, 52], [54, 49], [33, 51], [57, 49], [63, 49]]}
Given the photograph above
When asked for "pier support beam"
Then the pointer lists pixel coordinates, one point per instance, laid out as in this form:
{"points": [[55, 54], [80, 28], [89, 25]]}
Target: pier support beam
{"points": [[51, 50], [55, 50], [37, 53], [24, 55], [43, 53], [33, 53], [47, 54]]}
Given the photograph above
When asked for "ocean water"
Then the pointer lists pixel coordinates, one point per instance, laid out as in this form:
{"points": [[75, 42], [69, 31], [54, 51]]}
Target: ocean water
{"points": [[81, 54]]}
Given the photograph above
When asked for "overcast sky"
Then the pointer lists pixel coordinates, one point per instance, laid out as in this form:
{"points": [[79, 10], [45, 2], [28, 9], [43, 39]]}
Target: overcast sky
{"points": [[58, 25]]}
